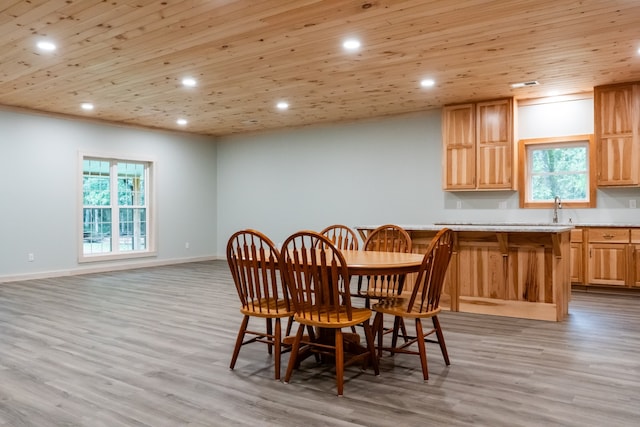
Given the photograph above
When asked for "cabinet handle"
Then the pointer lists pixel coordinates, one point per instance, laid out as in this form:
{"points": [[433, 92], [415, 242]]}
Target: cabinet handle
{"points": [[608, 236]]}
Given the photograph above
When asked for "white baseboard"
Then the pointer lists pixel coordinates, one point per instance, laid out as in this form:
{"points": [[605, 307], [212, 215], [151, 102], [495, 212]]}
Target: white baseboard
{"points": [[103, 268]]}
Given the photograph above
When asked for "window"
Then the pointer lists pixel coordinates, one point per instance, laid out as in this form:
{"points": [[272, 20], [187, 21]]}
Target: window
{"points": [[115, 208], [562, 167]]}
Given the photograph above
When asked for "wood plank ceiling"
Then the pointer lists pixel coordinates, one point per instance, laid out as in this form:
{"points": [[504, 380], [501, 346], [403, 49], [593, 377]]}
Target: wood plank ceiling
{"points": [[128, 57]]}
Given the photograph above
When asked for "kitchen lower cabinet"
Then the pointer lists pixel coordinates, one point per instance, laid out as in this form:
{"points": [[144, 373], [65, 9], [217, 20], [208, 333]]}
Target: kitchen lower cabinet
{"points": [[609, 254], [577, 256], [634, 268], [608, 264]]}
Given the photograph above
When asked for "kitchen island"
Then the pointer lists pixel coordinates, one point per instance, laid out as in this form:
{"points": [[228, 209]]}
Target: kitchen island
{"points": [[515, 270]]}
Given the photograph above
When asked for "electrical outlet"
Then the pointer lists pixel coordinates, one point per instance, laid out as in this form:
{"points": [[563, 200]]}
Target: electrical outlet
{"points": [[186, 245], [632, 203], [459, 204], [31, 257]]}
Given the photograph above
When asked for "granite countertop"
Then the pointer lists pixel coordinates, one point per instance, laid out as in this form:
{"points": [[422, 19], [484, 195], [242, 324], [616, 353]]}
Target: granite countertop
{"points": [[497, 227], [515, 227]]}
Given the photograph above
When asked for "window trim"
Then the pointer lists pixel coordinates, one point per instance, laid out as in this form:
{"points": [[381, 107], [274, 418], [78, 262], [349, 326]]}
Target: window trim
{"points": [[523, 175], [152, 230]]}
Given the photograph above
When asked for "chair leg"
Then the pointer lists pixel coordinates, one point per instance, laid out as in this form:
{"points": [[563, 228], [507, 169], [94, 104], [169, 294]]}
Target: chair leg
{"points": [[397, 322], [312, 338], [422, 349], [294, 353], [270, 333], [278, 346], [289, 326], [404, 330], [440, 335], [372, 348], [378, 329], [239, 339], [339, 362]]}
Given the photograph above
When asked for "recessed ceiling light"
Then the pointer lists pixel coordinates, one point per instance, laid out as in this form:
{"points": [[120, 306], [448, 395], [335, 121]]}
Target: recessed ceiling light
{"points": [[182, 122], [189, 82], [351, 44], [46, 45], [282, 105], [525, 84], [86, 106], [427, 83]]}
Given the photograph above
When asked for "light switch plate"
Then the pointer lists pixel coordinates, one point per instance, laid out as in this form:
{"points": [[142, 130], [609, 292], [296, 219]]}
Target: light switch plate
{"points": [[632, 203]]}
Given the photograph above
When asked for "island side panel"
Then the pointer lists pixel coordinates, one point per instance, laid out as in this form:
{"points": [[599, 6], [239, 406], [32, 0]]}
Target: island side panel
{"points": [[516, 274]]}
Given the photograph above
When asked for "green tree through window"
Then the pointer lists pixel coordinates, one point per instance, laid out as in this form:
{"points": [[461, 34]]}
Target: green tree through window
{"points": [[114, 206], [559, 171], [559, 166]]}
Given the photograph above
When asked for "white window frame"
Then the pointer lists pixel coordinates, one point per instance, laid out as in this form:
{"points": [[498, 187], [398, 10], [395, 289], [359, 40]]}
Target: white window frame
{"points": [[556, 142], [151, 229]]}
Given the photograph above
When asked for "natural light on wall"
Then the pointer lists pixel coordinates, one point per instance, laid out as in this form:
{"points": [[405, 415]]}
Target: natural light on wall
{"points": [[115, 208]]}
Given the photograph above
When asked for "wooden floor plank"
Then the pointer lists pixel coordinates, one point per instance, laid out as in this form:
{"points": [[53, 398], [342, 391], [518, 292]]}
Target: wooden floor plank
{"points": [[151, 347]]}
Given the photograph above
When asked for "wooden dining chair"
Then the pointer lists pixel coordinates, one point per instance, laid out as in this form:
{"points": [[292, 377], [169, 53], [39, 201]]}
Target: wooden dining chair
{"points": [[318, 279], [423, 303], [386, 238], [254, 263], [342, 236]]}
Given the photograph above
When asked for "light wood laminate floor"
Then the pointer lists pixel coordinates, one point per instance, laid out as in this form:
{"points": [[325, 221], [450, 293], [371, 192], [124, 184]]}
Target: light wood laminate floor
{"points": [[151, 347]]}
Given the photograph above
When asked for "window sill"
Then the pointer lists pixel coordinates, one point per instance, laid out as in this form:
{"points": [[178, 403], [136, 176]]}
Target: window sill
{"points": [[116, 257]]}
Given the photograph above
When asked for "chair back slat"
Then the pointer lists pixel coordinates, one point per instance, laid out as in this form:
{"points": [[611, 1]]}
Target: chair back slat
{"points": [[427, 289], [254, 263], [317, 276], [387, 238], [343, 237]]}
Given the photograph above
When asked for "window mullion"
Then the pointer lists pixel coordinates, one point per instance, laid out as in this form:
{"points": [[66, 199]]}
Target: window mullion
{"points": [[115, 209]]}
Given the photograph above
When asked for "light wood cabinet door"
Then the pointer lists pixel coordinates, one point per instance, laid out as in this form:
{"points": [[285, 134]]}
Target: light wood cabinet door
{"points": [[617, 132], [478, 151], [635, 265], [494, 139], [608, 264], [458, 133], [577, 269], [577, 256]]}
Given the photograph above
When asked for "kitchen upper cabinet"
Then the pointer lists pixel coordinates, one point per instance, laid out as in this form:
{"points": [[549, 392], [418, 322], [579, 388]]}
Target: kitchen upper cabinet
{"points": [[478, 145], [459, 138], [617, 132]]}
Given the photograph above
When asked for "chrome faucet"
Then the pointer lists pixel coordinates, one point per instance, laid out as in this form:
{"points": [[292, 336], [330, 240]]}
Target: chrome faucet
{"points": [[557, 204]]}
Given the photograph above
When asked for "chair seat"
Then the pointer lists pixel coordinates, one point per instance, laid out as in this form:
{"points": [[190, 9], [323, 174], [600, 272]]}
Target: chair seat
{"points": [[329, 319], [399, 306], [271, 309]]}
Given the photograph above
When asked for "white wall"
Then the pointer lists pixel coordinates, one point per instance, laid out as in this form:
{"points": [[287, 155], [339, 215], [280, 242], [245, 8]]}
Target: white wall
{"points": [[39, 192], [386, 170], [368, 172], [380, 171]]}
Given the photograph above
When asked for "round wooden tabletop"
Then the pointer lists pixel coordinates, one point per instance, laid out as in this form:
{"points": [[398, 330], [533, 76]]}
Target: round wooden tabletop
{"points": [[362, 263]]}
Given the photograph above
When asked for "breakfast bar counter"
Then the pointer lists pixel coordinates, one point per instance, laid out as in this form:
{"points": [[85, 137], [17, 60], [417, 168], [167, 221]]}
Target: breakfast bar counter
{"points": [[515, 270]]}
